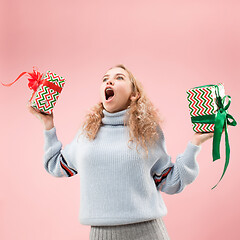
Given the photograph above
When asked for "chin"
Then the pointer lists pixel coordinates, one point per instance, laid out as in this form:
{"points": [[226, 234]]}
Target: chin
{"points": [[110, 110], [107, 109]]}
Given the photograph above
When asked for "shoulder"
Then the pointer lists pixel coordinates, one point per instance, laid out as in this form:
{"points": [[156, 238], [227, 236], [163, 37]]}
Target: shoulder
{"points": [[158, 147], [80, 136], [160, 133]]}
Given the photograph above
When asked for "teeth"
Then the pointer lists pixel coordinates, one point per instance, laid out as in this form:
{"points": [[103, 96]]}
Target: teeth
{"points": [[108, 89]]}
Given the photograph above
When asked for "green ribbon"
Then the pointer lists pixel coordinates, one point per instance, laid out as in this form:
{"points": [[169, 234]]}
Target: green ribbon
{"points": [[221, 120], [209, 119]]}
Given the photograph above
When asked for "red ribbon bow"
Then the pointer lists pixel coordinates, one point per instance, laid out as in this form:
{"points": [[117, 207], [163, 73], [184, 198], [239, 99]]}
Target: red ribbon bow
{"points": [[34, 80]]}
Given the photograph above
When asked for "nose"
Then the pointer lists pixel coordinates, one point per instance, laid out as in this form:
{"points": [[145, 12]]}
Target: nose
{"points": [[110, 82]]}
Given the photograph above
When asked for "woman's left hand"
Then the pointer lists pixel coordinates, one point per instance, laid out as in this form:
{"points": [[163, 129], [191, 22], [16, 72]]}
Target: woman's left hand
{"points": [[199, 138]]}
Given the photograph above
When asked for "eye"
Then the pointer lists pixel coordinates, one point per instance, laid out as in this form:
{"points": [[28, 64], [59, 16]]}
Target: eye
{"points": [[104, 79], [120, 77]]}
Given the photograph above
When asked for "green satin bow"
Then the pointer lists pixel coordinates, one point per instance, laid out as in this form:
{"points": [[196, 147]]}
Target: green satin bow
{"points": [[221, 121]]}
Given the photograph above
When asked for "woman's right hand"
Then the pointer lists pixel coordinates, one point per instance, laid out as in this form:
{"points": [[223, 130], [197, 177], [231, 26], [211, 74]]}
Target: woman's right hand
{"points": [[46, 119]]}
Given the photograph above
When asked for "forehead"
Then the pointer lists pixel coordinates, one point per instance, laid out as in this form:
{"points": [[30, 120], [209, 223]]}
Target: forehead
{"points": [[116, 70]]}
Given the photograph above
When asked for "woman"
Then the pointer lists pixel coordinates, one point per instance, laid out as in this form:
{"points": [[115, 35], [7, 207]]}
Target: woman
{"points": [[120, 155]]}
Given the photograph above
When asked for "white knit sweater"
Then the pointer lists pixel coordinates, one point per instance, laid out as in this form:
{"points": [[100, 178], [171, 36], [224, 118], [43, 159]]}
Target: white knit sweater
{"points": [[117, 185]]}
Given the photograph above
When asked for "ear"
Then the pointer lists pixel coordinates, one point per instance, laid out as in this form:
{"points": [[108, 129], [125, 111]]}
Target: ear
{"points": [[134, 97]]}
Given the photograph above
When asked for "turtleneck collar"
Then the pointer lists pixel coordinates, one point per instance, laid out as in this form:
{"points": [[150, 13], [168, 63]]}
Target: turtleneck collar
{"points": [[114, 119]]}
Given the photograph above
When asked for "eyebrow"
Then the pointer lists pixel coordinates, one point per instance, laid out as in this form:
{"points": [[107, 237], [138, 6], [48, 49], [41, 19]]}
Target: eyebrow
{"points": [[115, 75]]}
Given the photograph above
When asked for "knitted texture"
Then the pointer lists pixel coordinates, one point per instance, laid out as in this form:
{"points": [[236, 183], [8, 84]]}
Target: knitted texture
{"points": [[117, 185], [149, 230]]}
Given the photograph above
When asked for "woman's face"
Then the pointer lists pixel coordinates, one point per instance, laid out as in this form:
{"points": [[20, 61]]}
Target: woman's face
{"points": [[115, 90]]}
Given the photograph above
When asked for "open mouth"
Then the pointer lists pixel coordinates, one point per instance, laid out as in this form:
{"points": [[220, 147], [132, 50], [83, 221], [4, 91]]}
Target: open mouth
{"points": [[109, 93]]}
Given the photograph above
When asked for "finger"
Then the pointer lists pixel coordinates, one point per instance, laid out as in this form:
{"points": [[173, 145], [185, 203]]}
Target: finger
{"points": [[208, 134], [34, 109], [35, 113], [211, 135], [31, 109]]}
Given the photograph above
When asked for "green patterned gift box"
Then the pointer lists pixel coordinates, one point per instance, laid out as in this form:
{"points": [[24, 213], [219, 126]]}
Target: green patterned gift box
{"points": [[203, 106], [208, 108], [48, 92]]}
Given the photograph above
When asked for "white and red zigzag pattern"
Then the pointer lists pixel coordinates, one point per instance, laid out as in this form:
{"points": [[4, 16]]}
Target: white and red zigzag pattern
{"points": [[200, 104], [45, 98], [199, 101], [51, 77], [42, 96], [199, 127]]}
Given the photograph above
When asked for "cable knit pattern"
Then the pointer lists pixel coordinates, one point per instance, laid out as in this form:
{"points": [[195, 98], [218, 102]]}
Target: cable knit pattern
{"points": [[117, 185]]}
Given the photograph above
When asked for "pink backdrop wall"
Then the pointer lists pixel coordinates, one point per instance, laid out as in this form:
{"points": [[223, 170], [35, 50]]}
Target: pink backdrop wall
{"points": [[170, 47]]}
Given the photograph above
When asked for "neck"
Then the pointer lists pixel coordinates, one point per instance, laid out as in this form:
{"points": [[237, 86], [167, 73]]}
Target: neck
{"points": [[116, 118]]}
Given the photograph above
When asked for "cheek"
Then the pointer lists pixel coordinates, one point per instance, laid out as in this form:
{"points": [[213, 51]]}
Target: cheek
{"points": [[125, 91], [101, 91]]}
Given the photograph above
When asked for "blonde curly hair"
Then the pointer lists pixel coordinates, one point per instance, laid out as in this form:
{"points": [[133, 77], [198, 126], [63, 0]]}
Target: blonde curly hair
{"points": [[143, 117]]}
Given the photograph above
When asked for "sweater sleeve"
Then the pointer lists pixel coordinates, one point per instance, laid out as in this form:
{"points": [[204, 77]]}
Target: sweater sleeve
{"points": [[173, 178], [57, 161]]}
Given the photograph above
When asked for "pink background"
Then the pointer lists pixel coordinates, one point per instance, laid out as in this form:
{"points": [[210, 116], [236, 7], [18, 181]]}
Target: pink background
{"points": [[170, 46]]}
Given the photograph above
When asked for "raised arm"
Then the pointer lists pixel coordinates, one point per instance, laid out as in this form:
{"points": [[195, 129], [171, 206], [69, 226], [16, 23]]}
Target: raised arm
{"points": [[57, 161], [172, 177]]}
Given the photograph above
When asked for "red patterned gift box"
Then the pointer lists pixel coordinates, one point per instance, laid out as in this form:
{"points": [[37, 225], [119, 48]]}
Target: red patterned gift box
{"points": [[46, 89], [48, 92]]}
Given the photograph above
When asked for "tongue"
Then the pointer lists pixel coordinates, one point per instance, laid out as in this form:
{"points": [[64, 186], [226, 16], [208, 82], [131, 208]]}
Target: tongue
{"points": [[110, 98]]}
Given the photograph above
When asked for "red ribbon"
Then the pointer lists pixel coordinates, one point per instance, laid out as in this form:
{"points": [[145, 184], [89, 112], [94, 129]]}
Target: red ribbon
{"points": [[35, 80]]}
